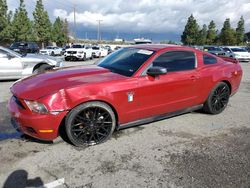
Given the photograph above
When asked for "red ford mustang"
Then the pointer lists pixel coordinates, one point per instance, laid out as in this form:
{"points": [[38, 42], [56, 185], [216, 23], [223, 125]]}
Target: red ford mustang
{"points": [[134, 85]]}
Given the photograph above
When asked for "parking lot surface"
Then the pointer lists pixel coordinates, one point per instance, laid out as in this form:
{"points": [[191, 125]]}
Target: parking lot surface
{"points": [[191, 150]]}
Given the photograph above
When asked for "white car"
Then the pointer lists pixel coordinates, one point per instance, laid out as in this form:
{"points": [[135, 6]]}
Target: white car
{"points": [[238, 53], [51, 50], [99, 51], [78, 52], [14, 65]]}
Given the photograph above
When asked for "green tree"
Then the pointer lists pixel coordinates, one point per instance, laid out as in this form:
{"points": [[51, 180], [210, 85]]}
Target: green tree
{"points": [[191, 32], [66, 30], [3, 19], [59, 34], [42, 24], [240, 30], [228, 34], [211, 33], [202, 35], [21, 24]]}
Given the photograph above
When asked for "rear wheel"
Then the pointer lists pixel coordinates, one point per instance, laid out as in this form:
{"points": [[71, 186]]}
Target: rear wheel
{"points": [[90, 123], [218, 99], [53, 53], [42, 68]]}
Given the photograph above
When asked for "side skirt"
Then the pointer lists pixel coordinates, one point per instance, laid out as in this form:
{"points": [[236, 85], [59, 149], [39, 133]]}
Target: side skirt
{"points": [[159, 117]]}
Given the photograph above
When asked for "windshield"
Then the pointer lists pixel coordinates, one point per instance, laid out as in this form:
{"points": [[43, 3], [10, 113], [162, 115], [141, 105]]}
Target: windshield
{"points": [[238, 50], [125, 61], [77, 46], [95, 48], [15, 45], [12, 52]]}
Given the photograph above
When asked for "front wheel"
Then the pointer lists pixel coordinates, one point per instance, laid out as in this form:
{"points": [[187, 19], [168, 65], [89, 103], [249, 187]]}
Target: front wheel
{"points": [[90, 123], [218, 99]]}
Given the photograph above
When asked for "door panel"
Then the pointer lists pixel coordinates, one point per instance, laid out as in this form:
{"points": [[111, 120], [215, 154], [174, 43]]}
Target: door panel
{"points": [[167, 93], [10, 67], [173, 91]]}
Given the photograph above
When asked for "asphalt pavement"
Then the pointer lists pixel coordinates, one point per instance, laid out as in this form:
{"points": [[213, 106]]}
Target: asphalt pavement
{"points": [[191, 150]]}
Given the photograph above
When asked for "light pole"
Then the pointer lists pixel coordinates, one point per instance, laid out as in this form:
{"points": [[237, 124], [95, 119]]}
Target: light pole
{"points": [[98, 30]]}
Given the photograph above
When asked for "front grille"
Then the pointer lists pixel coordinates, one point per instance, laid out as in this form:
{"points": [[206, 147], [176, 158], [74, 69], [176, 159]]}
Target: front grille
{"points": [[19, 103], [71, 52]]}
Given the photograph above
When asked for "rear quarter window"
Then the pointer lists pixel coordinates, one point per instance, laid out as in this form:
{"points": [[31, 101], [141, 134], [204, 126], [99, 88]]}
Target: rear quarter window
{"points": [[209, 60]]}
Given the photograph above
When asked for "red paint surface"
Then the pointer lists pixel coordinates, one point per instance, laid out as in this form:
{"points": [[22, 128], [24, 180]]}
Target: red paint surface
{"points": [[66, 88]]}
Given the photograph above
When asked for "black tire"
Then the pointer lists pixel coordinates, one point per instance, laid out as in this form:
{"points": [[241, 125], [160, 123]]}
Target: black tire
{"points": [[53, 53], [90, 123], [91, 57], [41, 69], [218, 99], [84, 57], [66, 58]]}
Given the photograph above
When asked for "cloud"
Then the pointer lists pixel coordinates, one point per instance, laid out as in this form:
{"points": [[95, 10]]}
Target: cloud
{"points": [[156, 16]]}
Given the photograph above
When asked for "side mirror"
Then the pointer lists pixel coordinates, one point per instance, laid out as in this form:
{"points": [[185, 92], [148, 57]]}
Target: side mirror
{"points": [[9, 56], [155, 71]]}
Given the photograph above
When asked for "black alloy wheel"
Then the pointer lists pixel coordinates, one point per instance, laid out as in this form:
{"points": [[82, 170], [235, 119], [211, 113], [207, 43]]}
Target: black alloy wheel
{"points": [[218, 99], [90, 123]]}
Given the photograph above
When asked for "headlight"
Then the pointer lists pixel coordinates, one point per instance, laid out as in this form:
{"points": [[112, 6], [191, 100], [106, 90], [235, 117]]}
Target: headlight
{"points": [[36, 107], [80, 52]]}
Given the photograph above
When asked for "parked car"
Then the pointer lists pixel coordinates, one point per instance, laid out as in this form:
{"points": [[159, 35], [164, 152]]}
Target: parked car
{"points": [[25, 47], [216, 51], [117, 48], [78, 52], [99, 51], [14, 65], [247, 48], [51, 50], [65, 48], [132, 86], [109, 49], [238, 52]]}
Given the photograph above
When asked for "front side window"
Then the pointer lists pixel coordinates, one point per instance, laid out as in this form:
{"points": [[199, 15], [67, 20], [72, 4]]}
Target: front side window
{"points": [[208, 60], [126, 61], [176, 61]]}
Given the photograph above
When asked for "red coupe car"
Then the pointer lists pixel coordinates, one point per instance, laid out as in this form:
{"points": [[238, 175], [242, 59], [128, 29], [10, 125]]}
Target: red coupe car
{"points": [[132, 86]]}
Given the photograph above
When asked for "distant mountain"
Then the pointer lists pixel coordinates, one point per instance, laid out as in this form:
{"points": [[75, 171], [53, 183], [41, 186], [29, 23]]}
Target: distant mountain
{"points": [[84, 33]]}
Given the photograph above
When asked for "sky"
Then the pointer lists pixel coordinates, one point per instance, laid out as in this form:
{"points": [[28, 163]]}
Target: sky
{"points": [[154, 19]]}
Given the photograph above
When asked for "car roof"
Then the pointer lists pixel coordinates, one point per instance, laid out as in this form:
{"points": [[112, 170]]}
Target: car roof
{"points": [[156, 47]]}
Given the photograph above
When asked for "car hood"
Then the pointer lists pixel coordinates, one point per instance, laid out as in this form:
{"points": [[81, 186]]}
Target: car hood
{"points": [[36, 58], [37, 86], [246, 54]]}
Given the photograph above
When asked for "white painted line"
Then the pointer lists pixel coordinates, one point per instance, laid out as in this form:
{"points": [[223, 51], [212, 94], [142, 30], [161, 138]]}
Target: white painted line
{"points": [[53, 184]]}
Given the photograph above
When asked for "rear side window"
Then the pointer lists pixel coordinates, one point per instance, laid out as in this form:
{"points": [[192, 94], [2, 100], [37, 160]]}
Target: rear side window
{"points": [[176, 61], [209, 60]]}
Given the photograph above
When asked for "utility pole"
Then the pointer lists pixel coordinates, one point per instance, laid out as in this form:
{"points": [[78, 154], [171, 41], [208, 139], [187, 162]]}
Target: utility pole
{"points": [[98, 30], [74, 8]]}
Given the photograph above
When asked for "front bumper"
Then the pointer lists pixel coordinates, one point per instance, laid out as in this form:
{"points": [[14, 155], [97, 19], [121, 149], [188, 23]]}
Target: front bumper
{"points": [[40, 126], [243, 59], [44, 52], [77, 56]]}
